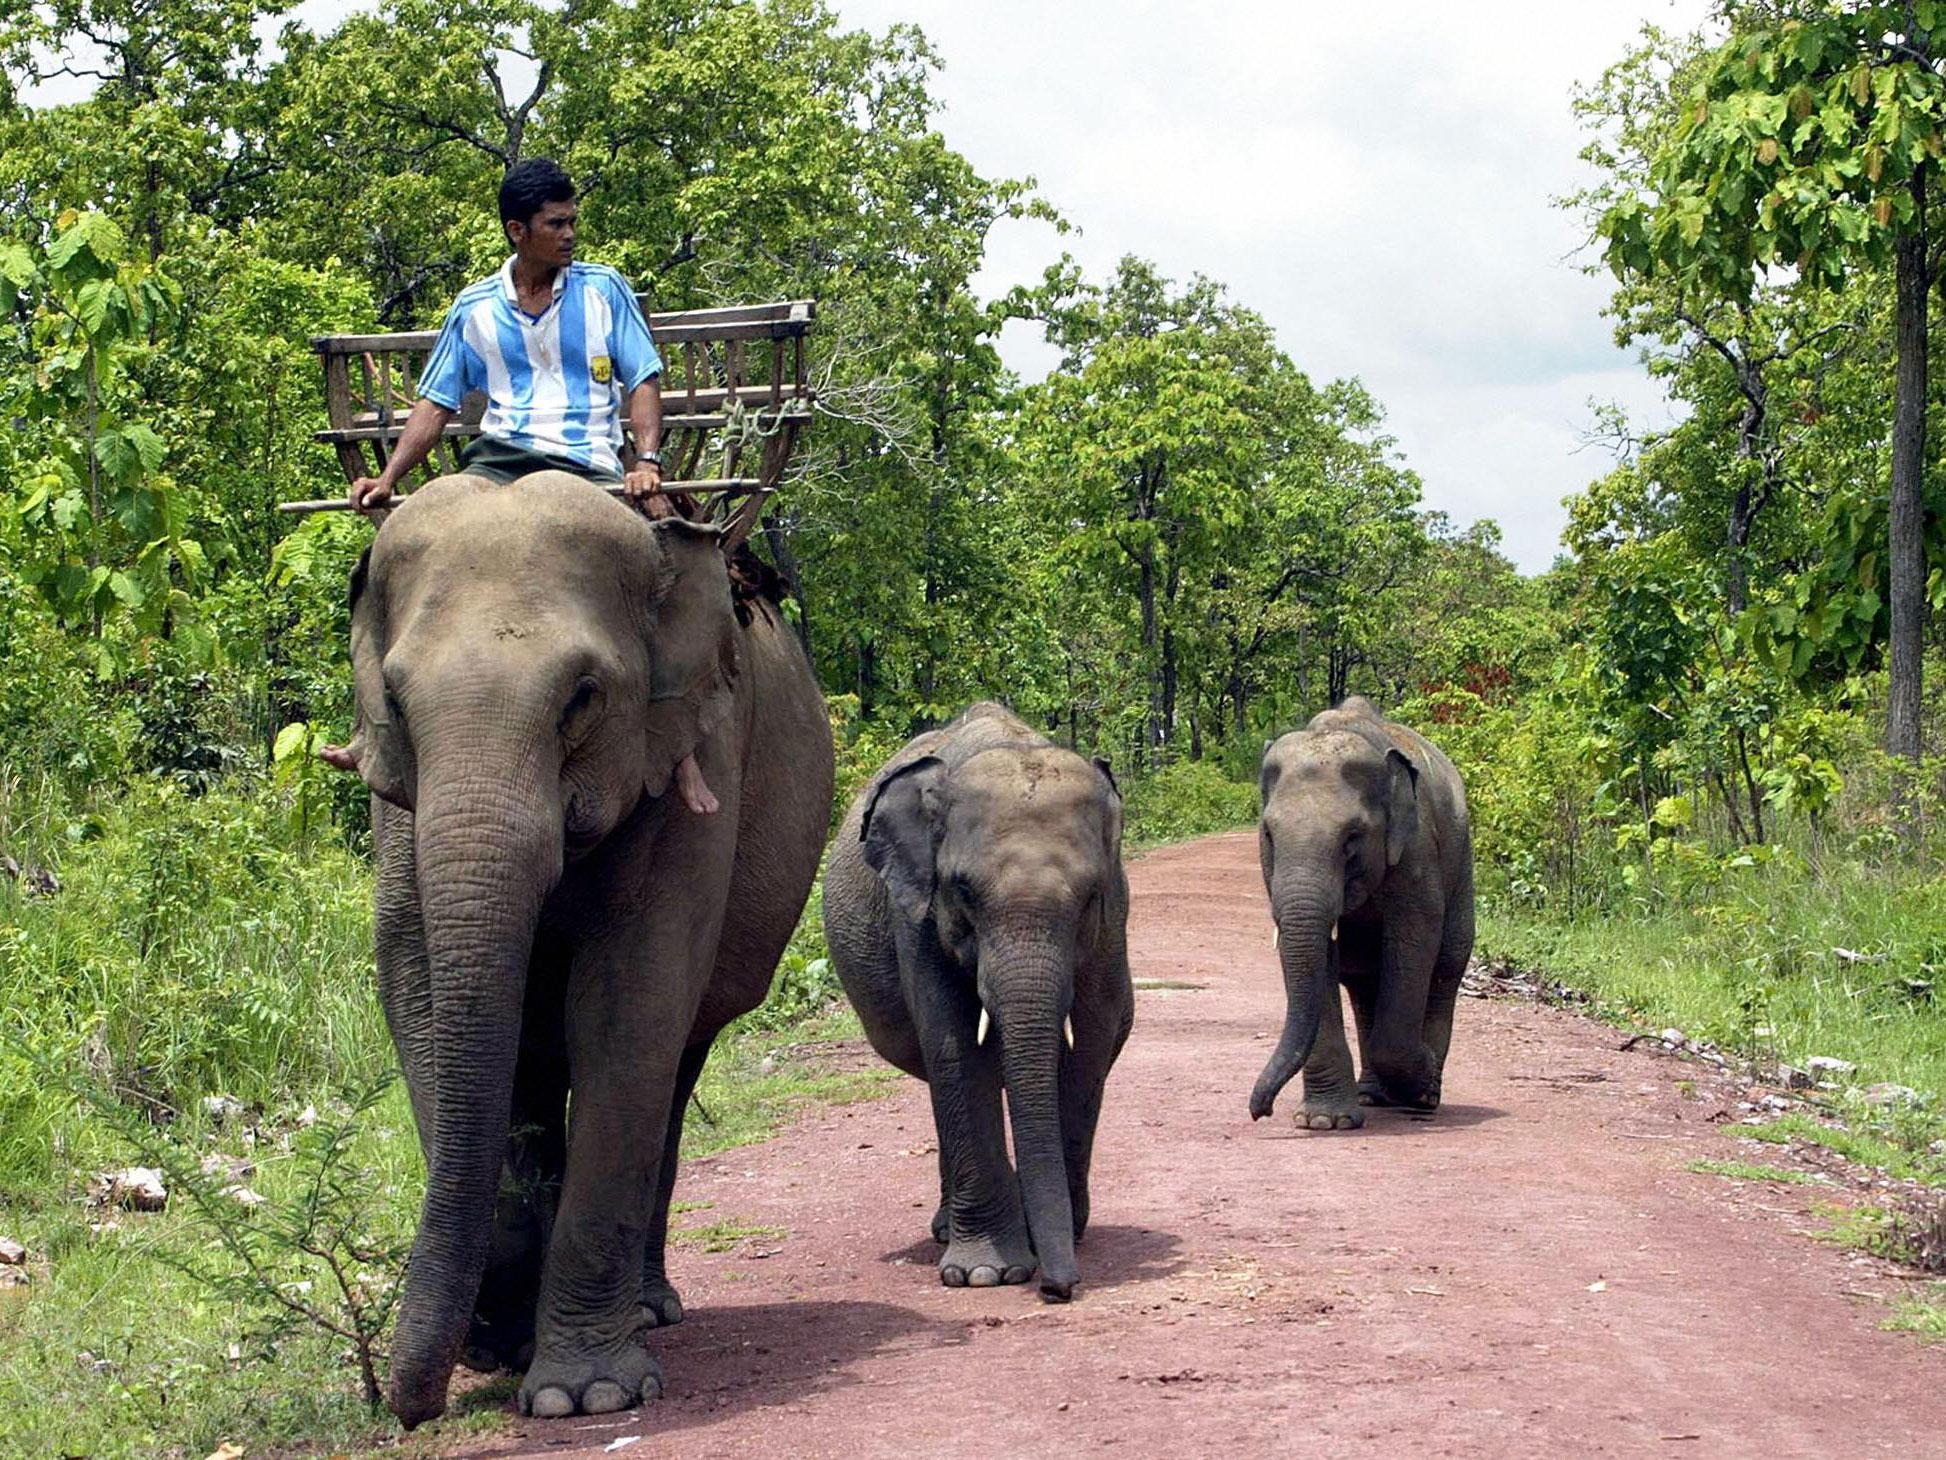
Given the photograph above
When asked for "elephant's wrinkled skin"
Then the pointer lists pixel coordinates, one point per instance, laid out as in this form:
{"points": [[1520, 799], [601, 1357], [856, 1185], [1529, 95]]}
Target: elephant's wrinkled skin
{"points": [[532, 661], [1368, 858], [976, 888]]}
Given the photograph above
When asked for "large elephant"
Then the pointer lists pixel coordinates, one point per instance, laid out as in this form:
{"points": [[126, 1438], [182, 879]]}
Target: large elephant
{"points": [[977, 914], [532, 661], [1368, 858]]}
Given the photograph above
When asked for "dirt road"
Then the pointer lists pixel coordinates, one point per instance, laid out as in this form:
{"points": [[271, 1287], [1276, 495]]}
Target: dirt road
{"points": [[1533, 1272]]}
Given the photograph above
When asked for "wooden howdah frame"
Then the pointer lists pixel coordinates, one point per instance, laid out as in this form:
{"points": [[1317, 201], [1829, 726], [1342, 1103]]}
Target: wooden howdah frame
{"points": [[729, 404]]}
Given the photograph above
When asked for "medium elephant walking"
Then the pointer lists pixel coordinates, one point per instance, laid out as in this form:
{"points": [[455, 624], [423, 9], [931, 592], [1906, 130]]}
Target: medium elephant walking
{"points": [[1368, 858], [532, 662], [977, 914]]}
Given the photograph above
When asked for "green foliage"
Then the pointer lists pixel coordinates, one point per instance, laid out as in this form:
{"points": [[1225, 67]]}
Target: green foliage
{"points": [[1796, 144], [193, 949], [1780, 956], [323, 1258], [1188, 799]]}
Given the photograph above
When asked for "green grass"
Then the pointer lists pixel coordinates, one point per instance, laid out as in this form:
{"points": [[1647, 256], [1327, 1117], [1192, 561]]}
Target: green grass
{"points": [[1780, 961], [203, 946], [1745, 1171], [1923, 1314], [1865, 1147], [725, 1236]]}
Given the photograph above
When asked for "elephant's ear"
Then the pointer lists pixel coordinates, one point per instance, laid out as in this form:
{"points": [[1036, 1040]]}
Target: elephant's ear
{"points": [[901, 833], [378, 742], [1112, 817], [1267, 775], [692, 646], [1401, 805]]}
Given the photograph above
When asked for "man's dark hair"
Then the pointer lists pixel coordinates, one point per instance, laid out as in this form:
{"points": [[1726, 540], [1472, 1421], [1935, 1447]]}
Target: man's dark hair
{"points": [[531, 185]]}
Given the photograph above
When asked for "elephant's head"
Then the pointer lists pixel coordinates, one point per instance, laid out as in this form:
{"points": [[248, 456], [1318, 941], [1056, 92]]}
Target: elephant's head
{"points": [[531, 662], [1339, 809], [1008, 866]]}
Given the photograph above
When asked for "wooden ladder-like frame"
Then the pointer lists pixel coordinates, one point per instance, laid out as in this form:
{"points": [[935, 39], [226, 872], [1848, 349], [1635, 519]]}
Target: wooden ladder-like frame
{"points": [[724, 397]]}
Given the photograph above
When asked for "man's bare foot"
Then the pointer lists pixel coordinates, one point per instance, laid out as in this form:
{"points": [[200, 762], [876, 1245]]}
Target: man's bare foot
{"points": [[695, 791], [338, 757]]}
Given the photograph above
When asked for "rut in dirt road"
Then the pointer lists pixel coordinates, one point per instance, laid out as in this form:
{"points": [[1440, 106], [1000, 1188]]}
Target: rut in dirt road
{"points": [[1531, 1272]]}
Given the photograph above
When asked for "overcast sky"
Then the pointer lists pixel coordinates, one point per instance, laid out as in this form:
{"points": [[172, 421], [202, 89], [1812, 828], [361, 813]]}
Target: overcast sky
{"points": [[1375, 180]]}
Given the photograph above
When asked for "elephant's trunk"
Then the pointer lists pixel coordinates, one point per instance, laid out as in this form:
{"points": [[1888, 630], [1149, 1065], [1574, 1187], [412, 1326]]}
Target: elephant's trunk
{"points": [[1307, 942], [488, 846], [1029, 986]]}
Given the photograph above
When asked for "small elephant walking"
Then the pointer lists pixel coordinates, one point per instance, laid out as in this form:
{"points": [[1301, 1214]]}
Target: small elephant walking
{"points": [[1368, 857], [977, 914]]}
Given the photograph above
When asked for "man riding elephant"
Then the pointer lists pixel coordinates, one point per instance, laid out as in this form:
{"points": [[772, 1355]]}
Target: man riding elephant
{"points": [[561, 350]]}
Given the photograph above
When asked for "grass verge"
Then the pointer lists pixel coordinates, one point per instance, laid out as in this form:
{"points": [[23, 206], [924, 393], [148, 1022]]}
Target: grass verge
{"points": [[113, 1351], [1779, 963]]}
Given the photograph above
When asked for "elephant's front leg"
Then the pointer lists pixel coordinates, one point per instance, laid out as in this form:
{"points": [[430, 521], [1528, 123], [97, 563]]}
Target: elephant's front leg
{"points": [[625, 1048], [1330, 1085], [986, 1232]]}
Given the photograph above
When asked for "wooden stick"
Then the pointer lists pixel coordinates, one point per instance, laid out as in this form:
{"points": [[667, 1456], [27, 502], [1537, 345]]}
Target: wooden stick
{"points": [[729, 486]]}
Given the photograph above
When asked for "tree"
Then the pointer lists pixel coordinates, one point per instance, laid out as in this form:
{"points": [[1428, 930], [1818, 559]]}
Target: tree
{"points": [[1808, 141], [110, 524]]}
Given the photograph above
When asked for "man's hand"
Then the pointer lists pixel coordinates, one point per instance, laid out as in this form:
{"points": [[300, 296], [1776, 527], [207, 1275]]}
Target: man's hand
{"points": [[369, 494], [643, 485]]}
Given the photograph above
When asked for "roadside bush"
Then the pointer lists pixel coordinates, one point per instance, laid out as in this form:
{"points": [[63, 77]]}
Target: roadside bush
{"points": [[1187, 799], [191, 949]]}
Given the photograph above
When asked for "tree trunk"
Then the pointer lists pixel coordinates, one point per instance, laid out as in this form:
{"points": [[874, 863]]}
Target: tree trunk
{"points": [[1908, 548], [1146, 592], [777, 535]]}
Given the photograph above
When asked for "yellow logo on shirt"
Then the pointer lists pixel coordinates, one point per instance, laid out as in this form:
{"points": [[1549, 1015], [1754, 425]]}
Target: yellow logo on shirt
{"points": [[604, 368]]}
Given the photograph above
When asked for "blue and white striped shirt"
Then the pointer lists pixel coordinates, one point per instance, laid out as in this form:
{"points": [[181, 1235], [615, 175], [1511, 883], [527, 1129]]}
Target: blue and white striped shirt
{"points": [[555, 383]]}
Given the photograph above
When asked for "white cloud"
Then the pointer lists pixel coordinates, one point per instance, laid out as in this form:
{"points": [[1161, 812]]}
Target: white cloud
{"points": [[1378, 183]]}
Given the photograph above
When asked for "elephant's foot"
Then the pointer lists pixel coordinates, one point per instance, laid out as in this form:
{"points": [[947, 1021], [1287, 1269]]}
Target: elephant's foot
{"points": [[1374, 1093], [982, 1262], [1329, 1112], [1408, 1083], [661, 1303], [496, 1341], [558, 1385]]}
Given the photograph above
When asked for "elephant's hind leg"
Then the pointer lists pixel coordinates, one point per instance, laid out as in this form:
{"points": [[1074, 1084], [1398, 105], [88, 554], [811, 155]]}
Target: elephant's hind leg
{"points": [[501, 1335], [661, 1304]]}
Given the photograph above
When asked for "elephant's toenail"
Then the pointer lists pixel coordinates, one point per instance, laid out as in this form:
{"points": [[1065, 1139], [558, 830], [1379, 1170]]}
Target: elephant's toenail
{"points": [[1019, 1274], [953, 1277], [553, 1403], [983, 1277], [604, 1396]]}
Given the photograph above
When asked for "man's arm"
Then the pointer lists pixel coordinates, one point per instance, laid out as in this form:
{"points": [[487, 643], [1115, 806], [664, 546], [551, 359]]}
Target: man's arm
{"points": [[415, 444], [643, 483]]}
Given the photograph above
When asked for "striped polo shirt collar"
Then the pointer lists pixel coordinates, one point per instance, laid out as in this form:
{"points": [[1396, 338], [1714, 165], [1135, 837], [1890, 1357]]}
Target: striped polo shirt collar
{"points": [[512, 290]]}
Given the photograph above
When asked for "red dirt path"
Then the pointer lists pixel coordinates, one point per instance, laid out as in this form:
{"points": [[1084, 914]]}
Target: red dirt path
{"points": [[1415, 1288]]}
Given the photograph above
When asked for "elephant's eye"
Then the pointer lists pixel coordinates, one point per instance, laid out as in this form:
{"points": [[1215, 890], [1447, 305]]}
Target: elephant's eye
{"points": [[394, 711], [586, 692]]}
